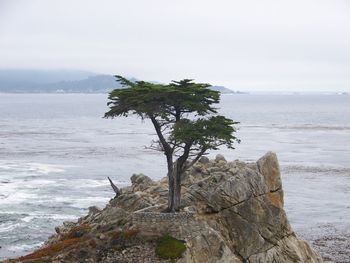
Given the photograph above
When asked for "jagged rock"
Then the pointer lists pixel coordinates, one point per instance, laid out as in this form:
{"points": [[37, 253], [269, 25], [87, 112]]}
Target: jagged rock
{"points": [[94, 210], [288, 250], [204, 160], [132, 201], [66, 226], [268, 166], [232, 213], [140, 182], [220, 157], [210, 248], [140, 179]]}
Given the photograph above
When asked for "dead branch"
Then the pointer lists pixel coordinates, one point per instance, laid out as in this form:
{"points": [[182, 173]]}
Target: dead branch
{"points": [[115, 188]]}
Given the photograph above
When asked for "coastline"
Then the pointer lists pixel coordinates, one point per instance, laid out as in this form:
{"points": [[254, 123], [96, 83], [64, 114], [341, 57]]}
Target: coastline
{"points": [[331, 238], [218, 219]]}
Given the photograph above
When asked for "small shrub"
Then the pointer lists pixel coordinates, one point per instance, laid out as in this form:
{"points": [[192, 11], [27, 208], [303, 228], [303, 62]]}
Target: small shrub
{"points": [[170, 248]]}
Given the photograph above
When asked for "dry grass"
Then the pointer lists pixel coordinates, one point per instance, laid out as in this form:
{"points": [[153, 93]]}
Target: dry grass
{"points": [[52, 250], [130, 233]]}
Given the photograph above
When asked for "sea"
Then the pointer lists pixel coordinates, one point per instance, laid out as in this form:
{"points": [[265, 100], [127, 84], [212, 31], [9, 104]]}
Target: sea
{"points": [[56, 151]]}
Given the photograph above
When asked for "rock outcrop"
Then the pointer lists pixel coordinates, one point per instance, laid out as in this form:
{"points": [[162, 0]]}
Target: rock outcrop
{"points": [[232, 212]]}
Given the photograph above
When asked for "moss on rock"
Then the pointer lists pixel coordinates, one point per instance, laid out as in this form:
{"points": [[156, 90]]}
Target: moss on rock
{"points": [[170, 248]]}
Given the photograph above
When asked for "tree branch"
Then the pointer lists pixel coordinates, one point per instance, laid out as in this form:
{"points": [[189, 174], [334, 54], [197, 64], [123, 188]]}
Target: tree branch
{"points": [[199, 155], [168, 151], [115, 188], [157, 127], [183, 158]]}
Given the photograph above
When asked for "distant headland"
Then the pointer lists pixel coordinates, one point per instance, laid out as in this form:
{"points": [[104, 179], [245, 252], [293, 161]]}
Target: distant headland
{"points": [[65, 81]]}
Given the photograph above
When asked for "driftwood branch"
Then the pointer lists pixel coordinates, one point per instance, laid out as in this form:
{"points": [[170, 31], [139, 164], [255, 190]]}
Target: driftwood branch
{"points": [[115, 188]]}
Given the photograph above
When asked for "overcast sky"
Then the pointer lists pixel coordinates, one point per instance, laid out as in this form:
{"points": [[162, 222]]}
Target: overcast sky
{"points": [[245, 45]]}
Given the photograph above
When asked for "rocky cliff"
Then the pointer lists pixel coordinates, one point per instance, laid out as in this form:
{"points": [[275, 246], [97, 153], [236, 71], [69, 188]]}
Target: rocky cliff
{"points": [[231, 212]]}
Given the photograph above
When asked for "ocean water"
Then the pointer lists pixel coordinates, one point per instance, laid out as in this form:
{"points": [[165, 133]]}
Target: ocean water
{"points": [[56, 151]]}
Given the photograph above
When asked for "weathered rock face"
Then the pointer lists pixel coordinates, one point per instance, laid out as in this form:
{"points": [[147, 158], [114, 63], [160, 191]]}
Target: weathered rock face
{"points": [[246, 203], [231, 212], [243, 205]]}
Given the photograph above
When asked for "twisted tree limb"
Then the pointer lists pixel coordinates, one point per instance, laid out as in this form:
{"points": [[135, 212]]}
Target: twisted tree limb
{"points": [[115, 188]]}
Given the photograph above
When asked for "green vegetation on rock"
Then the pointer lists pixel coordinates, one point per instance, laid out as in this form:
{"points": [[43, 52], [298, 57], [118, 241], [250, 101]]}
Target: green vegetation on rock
{"points": [[39, 261], [170, 248]]}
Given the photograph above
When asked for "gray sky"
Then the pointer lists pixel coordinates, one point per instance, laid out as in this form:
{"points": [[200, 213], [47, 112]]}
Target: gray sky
{"points": [[245, 45]]}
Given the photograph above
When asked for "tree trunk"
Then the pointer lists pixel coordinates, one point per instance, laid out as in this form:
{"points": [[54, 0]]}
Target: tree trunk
{"points": [[168, 151], [177, 194], [171, 192], [177, 176]]}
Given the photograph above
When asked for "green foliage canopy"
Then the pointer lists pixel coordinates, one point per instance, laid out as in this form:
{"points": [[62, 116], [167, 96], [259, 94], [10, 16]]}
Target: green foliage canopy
{"points": [[183, 110]]}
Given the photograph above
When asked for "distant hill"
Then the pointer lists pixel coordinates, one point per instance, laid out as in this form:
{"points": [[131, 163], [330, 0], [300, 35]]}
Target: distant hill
{"points": [[31, 81], [92, 84], [42, 76], [36, 80], [223, 90]]}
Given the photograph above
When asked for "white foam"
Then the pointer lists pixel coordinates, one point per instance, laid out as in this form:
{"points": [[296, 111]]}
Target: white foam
{"points": [[24, 247], [8, 227], [60, 217], [27, 219], [90, 183], [17, 198], [30, 168], [47, 168]]}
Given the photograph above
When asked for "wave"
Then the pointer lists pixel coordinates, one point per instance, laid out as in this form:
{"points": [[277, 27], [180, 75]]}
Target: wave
{"points": [[9, 227], [30, 167], [315, 169], [24, 247], [92, 183], [301, 127], [46, 216]]}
